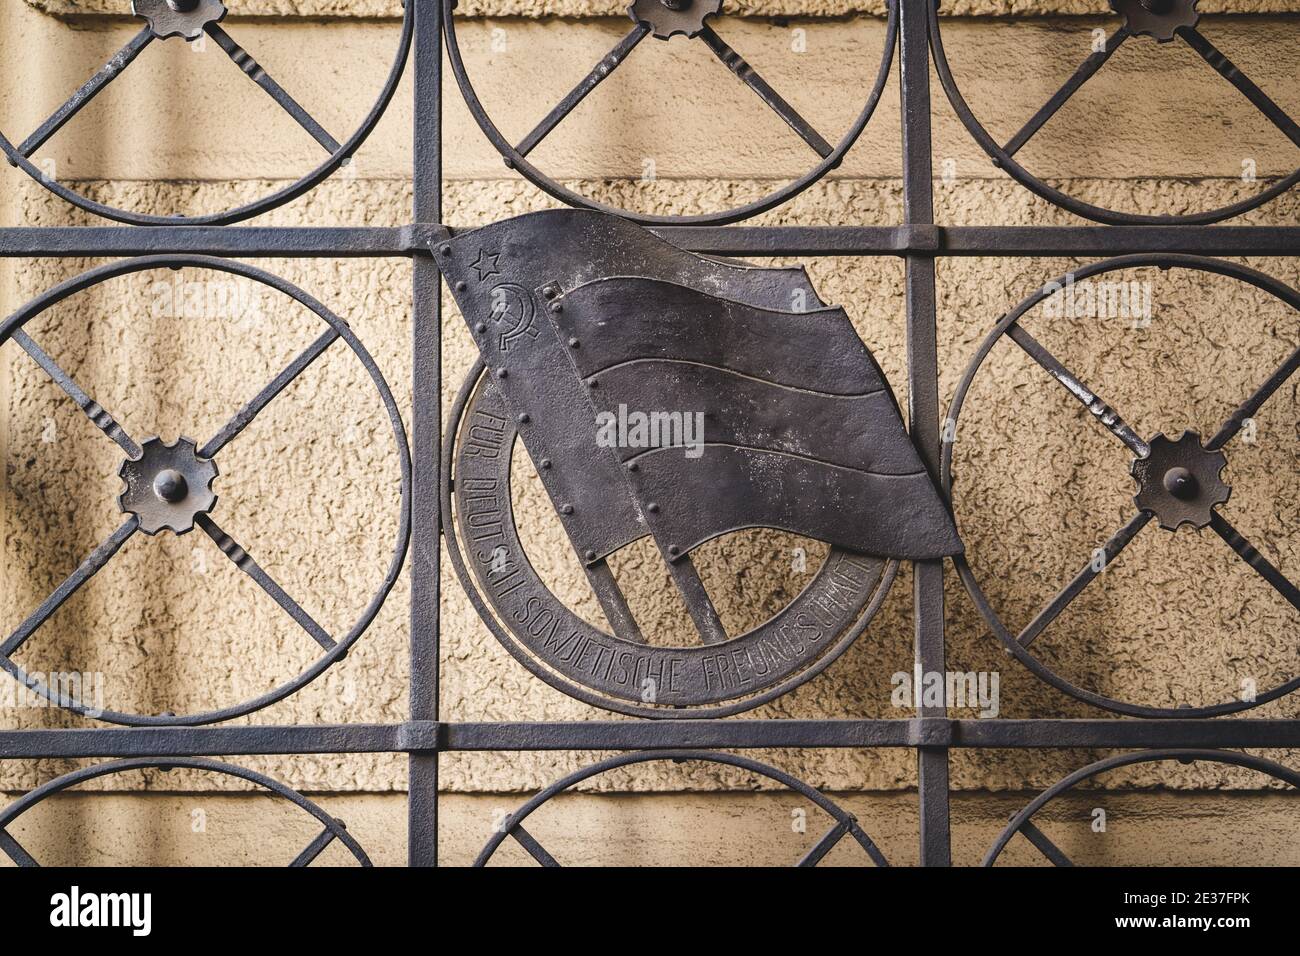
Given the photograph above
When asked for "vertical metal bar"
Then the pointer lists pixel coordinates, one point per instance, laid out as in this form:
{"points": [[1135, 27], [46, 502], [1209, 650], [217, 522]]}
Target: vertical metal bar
{"points": [[923, 406], [426, 444]]}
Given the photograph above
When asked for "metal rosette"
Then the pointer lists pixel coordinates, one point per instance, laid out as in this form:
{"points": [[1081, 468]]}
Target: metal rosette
{"points": [[333, 830], [843, 824], [185, 21], [168, 487], [1022, 823], [1176, 481], [665, 20], [1158, 21]]}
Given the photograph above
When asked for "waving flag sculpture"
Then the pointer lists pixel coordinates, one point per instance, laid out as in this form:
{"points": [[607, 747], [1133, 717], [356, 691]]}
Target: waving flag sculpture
{"points": [[667, 394]]}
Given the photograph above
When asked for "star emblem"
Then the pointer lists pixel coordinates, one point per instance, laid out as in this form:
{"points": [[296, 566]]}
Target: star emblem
{"points": [[486, 265]]}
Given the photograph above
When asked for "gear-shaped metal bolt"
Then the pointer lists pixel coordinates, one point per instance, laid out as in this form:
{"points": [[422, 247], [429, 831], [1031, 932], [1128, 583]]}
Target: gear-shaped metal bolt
{"points": [[179, 18], [1160, 19], [667, 18], [168, 486], [1179, 483]]}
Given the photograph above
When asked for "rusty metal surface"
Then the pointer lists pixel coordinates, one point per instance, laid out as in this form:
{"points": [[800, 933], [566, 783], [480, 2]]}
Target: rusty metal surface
{"points": [[496, 275]]}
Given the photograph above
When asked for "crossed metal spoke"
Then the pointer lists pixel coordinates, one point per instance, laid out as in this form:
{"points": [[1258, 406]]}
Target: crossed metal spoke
{"points": [[241, 57], [611, 61], [1122, 538], [1224, 528], [88, 569], [749, 76], [244, 60], [14, 850], [827, 843], [1193, 38], [1045, 846], [244, 417], [106, 75], [1246, 551], [1085, 72], [535, 849], [1103, 412], [314, 849], [228, 432], [1112, 548], [244, 561], [101, 556], [1251, 406], [831, 838], [721, 49], [1229, 71], [96, 412]]}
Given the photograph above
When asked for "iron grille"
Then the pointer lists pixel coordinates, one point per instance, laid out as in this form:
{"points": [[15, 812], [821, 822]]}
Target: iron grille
{"points": [[915, 44]]}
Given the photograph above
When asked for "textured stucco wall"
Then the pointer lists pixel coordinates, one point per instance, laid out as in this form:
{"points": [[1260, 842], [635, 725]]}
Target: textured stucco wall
{"points": [[1179, 620], [751, 829], [591, 8]]}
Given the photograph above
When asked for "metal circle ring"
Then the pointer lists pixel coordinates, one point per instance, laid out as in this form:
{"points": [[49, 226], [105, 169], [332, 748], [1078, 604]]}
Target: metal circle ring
{"points": [[553, 642], [340, 329], [516, 160], [1004, 160], [1227, 757], [845, 823], [337, 158], [334, 828], [1164, 261]]}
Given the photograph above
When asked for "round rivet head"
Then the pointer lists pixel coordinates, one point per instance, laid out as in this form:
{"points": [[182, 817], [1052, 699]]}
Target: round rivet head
{"points": [[674, 550], [567, 509], [652, 508], [170, 486], [1180, 483], [525, 418], [502, 373], [481, 327], [593, 384], [546, 463], [557, 307], [632, 466], [591, 555], [573, 343], [460, 286], [445, 249]]}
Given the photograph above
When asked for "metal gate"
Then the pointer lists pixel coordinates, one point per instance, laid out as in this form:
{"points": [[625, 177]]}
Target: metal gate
{"points": [[1179, 478]]}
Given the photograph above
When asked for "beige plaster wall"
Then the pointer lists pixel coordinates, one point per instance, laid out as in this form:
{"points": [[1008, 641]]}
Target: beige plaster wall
{"points": [[590, 8], [647, 830], [173, 626]]}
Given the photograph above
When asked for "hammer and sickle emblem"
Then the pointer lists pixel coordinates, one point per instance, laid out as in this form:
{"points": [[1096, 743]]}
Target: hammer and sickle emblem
{"points": [[513, 304]]}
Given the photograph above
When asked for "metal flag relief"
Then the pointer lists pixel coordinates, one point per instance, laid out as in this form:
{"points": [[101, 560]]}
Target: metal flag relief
{"points": [[682, 397]]}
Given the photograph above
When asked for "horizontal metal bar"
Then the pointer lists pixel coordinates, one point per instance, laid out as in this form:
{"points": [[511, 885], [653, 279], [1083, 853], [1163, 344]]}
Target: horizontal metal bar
{"points": [[1125, 733], [207, 741], [1102, 241], [427, 736], [366, 241], [246, 241], [677, 735]]}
